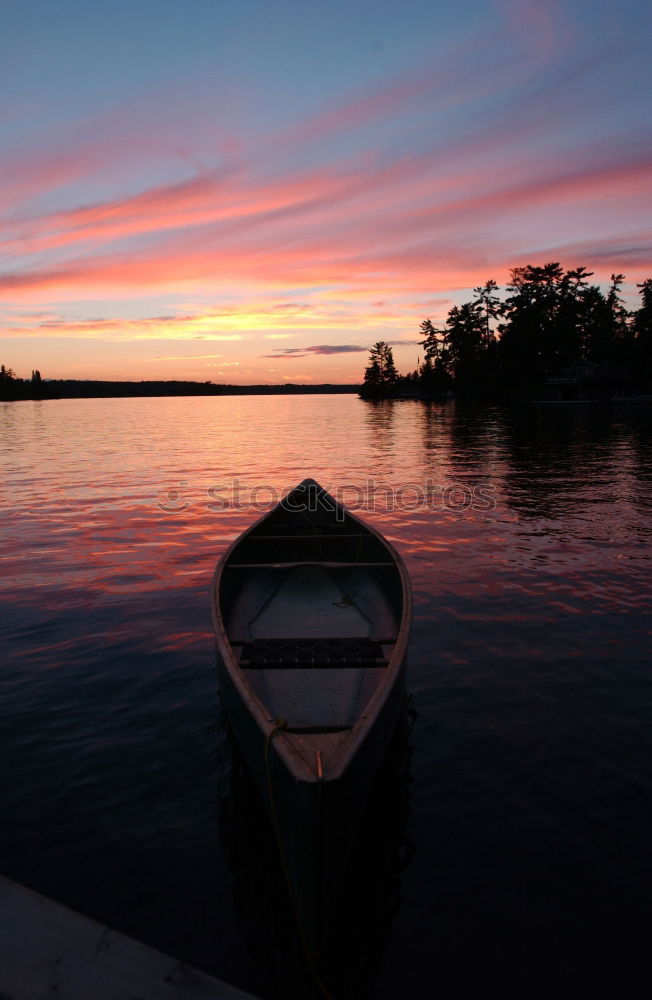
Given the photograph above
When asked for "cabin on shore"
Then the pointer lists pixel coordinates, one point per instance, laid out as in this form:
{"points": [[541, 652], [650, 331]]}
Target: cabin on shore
{"points": [[588, 381]]}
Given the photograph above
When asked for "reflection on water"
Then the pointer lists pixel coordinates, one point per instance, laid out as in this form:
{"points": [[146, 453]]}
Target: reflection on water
{"points": [[369, 898], [379, 420], [528, 668]]}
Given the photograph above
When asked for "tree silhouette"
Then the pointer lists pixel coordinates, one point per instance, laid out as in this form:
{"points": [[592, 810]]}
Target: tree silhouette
{"points": [[642, 327], [466, 341], [434, 374], [543, 331], [490, 303], [430, 341], [550, 320], [372, 375], [619, 315], [381, 370]]}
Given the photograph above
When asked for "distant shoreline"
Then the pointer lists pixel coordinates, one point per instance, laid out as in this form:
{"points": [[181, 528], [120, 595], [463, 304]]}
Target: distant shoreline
{"points": [[18, 389]]}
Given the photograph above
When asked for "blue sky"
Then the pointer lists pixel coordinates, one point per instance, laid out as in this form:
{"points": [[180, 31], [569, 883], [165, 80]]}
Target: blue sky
{"points": [[245, 192]]}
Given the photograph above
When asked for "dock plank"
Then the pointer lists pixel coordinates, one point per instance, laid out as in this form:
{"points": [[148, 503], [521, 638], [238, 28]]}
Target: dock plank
{"points": [[48, 950]]}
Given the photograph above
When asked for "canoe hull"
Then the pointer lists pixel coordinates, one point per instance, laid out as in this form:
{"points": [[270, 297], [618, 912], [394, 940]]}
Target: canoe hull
{"points": [[314, 767], [316, 822]]}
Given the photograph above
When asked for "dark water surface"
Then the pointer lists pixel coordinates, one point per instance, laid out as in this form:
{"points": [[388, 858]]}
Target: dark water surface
{"points": [[513, 836]]}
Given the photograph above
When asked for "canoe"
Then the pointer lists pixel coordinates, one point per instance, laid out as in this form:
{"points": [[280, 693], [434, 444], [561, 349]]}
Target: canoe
{"points": [[312, 610]]}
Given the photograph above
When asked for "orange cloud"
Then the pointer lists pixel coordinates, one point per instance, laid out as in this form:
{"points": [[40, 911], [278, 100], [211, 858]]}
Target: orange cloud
{"points": [[213, 323]]}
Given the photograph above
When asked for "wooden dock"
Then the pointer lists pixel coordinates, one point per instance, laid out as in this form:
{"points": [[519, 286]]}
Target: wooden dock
{"points": [[46, 950]]}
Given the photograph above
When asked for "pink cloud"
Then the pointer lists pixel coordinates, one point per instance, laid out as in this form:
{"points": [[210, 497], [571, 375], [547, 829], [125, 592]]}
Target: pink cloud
{"points": [[395, 226], [337, 223], [109, 145]]}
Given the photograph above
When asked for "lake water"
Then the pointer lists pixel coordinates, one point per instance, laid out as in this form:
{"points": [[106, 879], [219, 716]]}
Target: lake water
{"points": [[519, 829]]}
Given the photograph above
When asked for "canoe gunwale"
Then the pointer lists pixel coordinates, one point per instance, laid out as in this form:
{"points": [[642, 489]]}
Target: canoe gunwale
{"points": [[392, 672]]}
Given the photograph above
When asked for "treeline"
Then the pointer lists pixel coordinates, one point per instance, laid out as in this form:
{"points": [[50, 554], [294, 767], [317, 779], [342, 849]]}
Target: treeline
{"points": [[550, 319], [13, 388]]}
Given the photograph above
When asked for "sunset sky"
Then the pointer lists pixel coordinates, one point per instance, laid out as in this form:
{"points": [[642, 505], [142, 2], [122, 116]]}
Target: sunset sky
{"points": [[256, 191]]}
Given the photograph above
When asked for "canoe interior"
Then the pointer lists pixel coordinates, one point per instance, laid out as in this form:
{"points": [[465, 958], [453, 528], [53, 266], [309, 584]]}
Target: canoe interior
{"points": [[312, 609]]}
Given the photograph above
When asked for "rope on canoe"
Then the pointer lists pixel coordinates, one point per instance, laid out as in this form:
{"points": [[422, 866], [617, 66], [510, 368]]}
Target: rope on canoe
{"points": [[279, 726]]}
